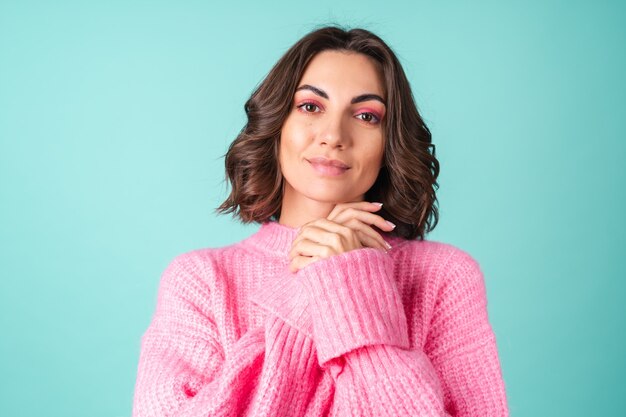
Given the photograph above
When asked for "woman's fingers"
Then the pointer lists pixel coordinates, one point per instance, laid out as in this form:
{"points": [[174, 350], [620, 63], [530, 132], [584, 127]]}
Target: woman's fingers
{"points": [[363, 216], [360, 205], [368, 236], [324, 232], [359, 216], [306, 247], [300, 262], [324, 238], [347, 227]]}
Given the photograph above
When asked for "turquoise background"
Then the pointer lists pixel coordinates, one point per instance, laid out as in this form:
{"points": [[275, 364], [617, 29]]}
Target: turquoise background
{"points": [[113, 122]]}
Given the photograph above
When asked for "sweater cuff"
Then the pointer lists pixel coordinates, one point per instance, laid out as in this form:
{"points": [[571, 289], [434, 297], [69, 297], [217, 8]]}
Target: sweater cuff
{"points": [[287, 299], [354, 302]]}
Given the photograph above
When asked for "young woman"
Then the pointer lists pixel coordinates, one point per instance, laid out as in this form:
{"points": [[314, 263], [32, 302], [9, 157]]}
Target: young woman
{"points": [[337, 305]]}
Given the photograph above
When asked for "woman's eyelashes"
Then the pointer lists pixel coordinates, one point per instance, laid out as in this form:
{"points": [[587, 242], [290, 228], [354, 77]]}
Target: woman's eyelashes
{"points": [[370, 117], [309, 107]]}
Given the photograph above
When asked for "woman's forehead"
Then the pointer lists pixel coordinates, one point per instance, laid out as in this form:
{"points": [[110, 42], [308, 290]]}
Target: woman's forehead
{"points": [[339, 72]]}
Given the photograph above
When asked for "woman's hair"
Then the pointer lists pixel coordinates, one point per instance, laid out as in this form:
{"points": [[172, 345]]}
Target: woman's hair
{"points": [[407, 180]]}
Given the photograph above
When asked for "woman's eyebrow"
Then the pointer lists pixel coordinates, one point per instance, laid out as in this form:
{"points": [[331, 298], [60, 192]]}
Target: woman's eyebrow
{"points": [[316, 90], [367, 97], [357, 99]]}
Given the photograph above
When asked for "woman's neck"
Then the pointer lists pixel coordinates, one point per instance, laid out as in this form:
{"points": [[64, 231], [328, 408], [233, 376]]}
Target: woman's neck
{"points": [[296, 216], [298, 209]]}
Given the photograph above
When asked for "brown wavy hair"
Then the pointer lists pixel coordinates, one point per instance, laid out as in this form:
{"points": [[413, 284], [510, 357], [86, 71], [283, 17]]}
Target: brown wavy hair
{"points": [[407, 180]]}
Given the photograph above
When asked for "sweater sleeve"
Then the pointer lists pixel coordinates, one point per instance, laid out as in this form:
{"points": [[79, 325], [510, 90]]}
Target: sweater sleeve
{"points": [[462, 344], [184, 370], [361, 336]]}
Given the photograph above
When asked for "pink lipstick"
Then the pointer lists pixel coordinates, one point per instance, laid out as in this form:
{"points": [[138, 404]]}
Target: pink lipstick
{"points": [[331, 167]]}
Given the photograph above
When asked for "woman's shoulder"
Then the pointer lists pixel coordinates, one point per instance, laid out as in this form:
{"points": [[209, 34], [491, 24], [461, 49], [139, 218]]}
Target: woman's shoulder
{"points": [[434, 278], [202, 264], [440, 267], [432, 253]]}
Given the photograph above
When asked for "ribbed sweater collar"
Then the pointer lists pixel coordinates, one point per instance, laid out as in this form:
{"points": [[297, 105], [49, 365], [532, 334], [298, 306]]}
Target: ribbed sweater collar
{"points": [[274, 237]]}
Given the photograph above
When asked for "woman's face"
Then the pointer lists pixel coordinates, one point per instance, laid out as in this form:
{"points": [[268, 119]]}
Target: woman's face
{"points": [[332, 142]]}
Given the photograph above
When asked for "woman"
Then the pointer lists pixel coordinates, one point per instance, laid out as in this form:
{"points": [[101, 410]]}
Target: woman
{"points": [[337, 305]]}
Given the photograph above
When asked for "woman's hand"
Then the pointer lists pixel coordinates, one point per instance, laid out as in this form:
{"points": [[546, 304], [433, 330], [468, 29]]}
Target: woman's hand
{"points": [[347, 227]]}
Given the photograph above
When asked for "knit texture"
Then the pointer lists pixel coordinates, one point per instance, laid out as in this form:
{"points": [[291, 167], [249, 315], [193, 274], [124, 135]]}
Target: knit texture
{"points": [[363, 333]]}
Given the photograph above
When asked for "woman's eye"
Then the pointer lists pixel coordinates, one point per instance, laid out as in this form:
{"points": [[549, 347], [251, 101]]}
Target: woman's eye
{"points": [[308, 107], [368, 117]]}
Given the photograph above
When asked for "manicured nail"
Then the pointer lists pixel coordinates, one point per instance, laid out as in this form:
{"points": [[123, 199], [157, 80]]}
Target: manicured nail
{"points": [[378, 204], [390, 224], [388, 246]]}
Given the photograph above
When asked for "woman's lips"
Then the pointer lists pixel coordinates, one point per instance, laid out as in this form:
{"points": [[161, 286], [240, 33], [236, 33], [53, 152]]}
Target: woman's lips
{"points": [[325, 167]]}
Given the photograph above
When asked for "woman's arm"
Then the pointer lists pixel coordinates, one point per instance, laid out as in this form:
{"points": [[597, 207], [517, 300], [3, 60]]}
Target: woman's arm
{"points": [[184, 370], [361, 335], [462, 344]]}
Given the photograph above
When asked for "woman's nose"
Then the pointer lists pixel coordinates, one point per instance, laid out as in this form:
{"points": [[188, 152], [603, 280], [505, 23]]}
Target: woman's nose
{"points": [[335, 132]]}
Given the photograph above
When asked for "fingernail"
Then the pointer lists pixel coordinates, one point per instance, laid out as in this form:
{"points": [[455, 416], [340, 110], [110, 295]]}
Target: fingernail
{"points": [[388, 245], [391, 224], [378, 204]]}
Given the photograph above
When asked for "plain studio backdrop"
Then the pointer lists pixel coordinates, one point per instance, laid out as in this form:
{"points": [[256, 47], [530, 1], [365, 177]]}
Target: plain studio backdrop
{"points": [[114, 119]]}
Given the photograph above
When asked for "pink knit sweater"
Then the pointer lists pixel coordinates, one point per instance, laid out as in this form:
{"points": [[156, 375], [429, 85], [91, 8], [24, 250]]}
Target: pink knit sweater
{"points": [[363, 333]]}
